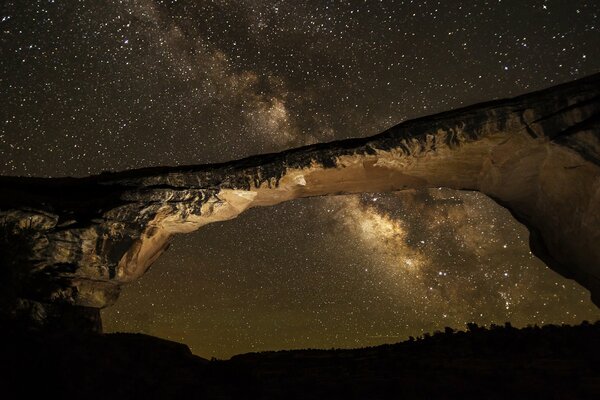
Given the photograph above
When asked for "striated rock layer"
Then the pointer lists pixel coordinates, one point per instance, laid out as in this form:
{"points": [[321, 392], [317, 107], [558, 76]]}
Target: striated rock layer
{"points": [[67, 245]]}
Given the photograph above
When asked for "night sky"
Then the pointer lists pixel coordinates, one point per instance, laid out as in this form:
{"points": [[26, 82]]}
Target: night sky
{"points": [[93, 86]]}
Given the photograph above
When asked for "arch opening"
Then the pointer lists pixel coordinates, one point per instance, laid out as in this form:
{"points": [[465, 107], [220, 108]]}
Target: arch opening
{"points": [[347, 271]]}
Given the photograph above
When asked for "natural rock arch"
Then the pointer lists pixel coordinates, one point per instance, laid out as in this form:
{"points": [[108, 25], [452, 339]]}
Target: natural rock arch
{"points": [[69, 244]]}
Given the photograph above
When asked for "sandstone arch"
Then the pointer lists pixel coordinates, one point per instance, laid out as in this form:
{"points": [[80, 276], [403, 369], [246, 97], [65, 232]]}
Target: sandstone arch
{"points": [[69, 244]]}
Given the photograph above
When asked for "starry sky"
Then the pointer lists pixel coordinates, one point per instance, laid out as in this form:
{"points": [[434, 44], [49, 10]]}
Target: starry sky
{"points": [[93, 86]]}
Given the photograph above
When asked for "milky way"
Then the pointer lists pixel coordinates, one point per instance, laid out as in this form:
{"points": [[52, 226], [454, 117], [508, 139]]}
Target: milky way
{"points": [[93, 86]]}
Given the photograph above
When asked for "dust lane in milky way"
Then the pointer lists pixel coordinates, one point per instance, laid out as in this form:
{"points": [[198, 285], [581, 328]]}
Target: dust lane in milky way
{"points": [[88, 87]]}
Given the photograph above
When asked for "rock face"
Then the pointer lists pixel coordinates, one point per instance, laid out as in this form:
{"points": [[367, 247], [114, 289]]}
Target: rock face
{"points": [[67, 245]]}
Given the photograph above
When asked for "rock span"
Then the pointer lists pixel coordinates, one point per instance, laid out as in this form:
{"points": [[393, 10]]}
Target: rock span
{"points": [[69, 244]]}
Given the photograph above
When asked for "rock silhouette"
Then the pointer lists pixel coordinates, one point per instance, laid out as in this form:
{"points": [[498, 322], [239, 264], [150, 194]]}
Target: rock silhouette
{"points": [[551, 362]]}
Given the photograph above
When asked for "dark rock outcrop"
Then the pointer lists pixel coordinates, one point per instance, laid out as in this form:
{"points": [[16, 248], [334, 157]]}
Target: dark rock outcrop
{"points": [[73, 242], [552, 362]]}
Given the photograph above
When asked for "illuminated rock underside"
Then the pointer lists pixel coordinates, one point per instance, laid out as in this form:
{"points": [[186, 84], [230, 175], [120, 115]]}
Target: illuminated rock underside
{"points": [[68, 245]]}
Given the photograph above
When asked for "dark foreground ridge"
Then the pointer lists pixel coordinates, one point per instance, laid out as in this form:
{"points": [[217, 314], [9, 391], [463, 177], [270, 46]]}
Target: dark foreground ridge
{"points": [[551, 362]]}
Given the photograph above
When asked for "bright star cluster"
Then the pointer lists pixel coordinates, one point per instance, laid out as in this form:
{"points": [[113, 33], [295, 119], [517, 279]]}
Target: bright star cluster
{"points": [[93, 86]]}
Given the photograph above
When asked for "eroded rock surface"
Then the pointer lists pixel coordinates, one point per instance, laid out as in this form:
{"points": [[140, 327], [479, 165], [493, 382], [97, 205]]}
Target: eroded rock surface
{"points": [[75, 241]]}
